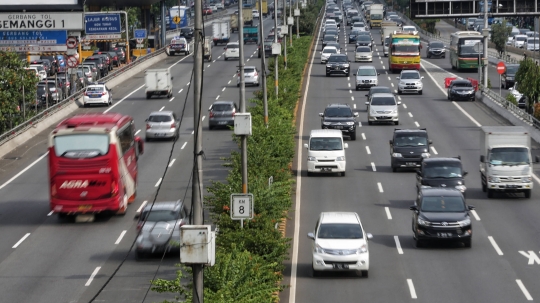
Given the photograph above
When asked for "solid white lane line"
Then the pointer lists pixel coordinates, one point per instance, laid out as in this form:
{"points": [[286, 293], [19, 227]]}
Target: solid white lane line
{"points": [[172, 162], [416, 123], [171, 99], [411, 288], [162, 108], [373, 166], [158, 182], [363, 136], [404, 105], [184, 145], [410, 114], [120, 237], [142, 206], [92, 276], [388, 214], [21, 240], [433, 150], [23, 171], [137, 132], [50, 213], [217, 97], [379, 185], [398, 245], [524, 290], [223, 89], [475, 215], [368, 151], [494, 244], [202, 119], [467, 114], [180, 90]]}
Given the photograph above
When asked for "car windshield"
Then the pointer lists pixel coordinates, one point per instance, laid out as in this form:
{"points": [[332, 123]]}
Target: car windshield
{"points": [[95, 89], [338, 112], [367, 72], [436, 45], [443, 204], [319, 143], [160, 118], [410, 140], [329, 38], [331, 32], [383, 101], [159, 215], [222, 107], [375, 90], [337, 59], [509, 156], [462, 84], [512, 69], [446, 170], [363, 38], [232, 46], [363, 50], [410, 76], [329, 50], [521, 38], [81, 145], [355, 32], [339, 231]]}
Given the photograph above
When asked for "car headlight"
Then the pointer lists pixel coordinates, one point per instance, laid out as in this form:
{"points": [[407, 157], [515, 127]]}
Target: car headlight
{"points": [[319, 249], [426, 155], [362, 250], [494, 179], [350, 123], [461, 188], [526, 179], [329, 66], [372, 111], [465, 222], [394, 111], [327, 123], [397, 155], [423, 222], [310, 158], [342, 158]]}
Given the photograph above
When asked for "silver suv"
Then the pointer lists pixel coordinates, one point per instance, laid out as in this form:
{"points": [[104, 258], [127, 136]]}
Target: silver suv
{"points": [[383, 108], [158, 227], [410, 81], [366, 77]]}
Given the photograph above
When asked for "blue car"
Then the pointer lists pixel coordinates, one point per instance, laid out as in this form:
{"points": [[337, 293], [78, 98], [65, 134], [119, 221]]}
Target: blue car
{"points": [[353, 36], [62, 66]]}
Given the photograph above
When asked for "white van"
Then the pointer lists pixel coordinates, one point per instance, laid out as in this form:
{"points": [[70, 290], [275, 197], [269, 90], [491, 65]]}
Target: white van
{"points": [[531, 44], [326, 152], [519, 40]]}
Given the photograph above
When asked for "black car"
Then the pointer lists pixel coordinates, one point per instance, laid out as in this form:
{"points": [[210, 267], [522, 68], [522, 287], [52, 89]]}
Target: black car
{"points": [[508, 78], [102, 66], [114, 57], [56, 95], [461, 89], [108, 60], [121, 52], [353, 36], [46, 65], [186, 32], [364, 40], [338, 64], [441, 172], [436, 49], [328, 38], [340, 116], [378, 89], [266, 48], [408, 147], [53, 61], [441, 214]]}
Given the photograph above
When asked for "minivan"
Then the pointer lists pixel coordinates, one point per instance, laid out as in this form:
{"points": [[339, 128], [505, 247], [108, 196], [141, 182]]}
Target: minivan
{"points": [[326, 152]]}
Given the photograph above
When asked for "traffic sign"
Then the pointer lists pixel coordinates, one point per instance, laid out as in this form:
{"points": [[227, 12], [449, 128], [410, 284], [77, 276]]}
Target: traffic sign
{"points": [[139, 33], [33, 37], [71, 42], [71, 51], [102, 23], [501, 68], [241, 206], [72, 61], [176, 19], [140, 45], [140, 40], [41, 21]]}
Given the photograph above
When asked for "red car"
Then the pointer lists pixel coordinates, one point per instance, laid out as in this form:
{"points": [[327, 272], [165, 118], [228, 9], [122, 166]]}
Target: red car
{"points": [[207, 11]]}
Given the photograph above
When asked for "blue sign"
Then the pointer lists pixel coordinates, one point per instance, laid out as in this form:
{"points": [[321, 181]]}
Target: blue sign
{"points": [[102, 24], [139, 33], [46, 37]]}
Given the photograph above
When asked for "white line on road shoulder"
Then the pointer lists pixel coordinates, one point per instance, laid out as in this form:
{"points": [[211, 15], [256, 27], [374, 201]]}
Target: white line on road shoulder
{"points": [[120, 237], [172, 162], [433, 150], [398, 245], [142, 206], [379, 185], [115, 104], [475, 215], [202, 119], [524, 290], [497, 249], [158, 182], [411, 288], [368, 151], [388, 214], [21, 240], [92, 276]]}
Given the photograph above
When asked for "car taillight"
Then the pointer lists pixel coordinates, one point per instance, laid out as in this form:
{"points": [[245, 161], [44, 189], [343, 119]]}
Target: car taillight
{"points": [[53, 190], [103, 93], [234, 112], [173, 125], [148, 126], [255, 74], [211, 115], [85, 93], [140, 225], [114, 188]]}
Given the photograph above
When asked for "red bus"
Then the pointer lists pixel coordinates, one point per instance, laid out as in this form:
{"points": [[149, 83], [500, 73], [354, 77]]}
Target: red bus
{"points": [[93, 164]]}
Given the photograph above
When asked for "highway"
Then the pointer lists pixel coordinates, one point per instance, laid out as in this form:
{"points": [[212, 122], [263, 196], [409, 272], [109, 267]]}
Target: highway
{"points": [[45, 259], [501, 266]]}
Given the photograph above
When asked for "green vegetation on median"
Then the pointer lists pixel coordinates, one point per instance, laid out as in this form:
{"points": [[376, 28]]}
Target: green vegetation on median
{"points": [[249, 261]]}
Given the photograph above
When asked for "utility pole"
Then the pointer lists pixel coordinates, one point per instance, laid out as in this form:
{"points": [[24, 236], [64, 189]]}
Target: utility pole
{"points": [[297, 22], [285, 23], [276, 57], [197, 184], [485, 31], [263, 63], [242, 94], [290, 26]]}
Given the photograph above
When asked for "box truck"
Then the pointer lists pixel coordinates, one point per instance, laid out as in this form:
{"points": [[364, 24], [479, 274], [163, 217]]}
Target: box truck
{"points": [[221, 32], [158, 82]]}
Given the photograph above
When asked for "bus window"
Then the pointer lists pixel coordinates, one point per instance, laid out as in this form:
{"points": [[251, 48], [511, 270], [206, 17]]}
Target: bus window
{"points": [[125, 136]]}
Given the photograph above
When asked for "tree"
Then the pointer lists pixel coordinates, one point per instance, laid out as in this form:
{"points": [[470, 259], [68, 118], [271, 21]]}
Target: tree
{"points": [[499, 35], [528, 80]]}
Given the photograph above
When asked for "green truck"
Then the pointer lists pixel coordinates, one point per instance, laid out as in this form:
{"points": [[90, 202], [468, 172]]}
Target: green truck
{"points": [[251, 34]]}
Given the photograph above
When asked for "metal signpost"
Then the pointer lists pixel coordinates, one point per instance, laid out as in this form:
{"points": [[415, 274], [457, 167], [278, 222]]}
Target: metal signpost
{"points": [[241, 207], [501, 68], [478, 47]]}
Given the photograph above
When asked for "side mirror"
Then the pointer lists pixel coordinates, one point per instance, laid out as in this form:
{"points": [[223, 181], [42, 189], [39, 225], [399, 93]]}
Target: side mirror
{"points": [[355, 75], [391, 142], [140, 145], [536, 159], [346, 145], [465, 173], [137, 216], [367, 95], [430, 142], [367, 102], [378, 74], [399, 103], [419, 173], [172, 78], [422, 77], [356, 114], [413, 207], [306, 145], [471, 207], [369, 236], [482, 159], [397, 77], [321, 114], [311, 236]]}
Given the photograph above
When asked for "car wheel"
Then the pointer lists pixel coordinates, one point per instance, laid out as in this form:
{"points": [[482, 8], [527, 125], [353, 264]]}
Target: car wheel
{"points": [[428, 56], [147, 139], [237, 84], [327, 74], [419, 92], [225, 58], [399, 92], [370, 122], [490, 193], [473, 99], [353, 136], [418, 243], [527, 193], [364, 273], [484, 187], [396, 122], [394, 169], [468, 243], [315, 273], [343, 174], [148, 96]]}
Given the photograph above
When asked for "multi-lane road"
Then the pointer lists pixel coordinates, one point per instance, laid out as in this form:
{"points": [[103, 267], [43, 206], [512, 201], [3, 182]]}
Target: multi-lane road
{"points": [[44, 259]]}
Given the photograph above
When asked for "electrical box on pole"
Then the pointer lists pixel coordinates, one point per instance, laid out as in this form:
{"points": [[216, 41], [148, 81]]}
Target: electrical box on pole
{"points": [[197, 245], [242, 124]]}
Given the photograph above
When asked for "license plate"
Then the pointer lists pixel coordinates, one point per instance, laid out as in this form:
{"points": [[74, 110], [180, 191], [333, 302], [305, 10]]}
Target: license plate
{"points": [[444, 235], [326, 169], [85, 207], [409, 87], [512, 186], [222, 122], [410, 163], [96, 96], [341, 266]]}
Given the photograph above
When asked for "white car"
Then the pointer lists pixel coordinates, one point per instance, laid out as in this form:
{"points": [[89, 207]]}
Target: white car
{"points": [[97, 94], [256, 13], [213, 8], [219, 5], [340, 244], [232, 51], [363, 54], [409, 29], [178, 45], [410, 81], [327, 52], [531, 44], [519, 40]]}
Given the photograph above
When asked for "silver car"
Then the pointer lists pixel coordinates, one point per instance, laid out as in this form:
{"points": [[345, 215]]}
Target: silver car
{"points": [[158, 227], [383, 108], [162, 125], [327, 52], [221, 113], [251, 76], [363, 54], [410, 81], [366, 77]]}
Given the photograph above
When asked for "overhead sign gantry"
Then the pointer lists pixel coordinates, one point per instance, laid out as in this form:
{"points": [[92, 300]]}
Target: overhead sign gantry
{"points": [[434, 9]]}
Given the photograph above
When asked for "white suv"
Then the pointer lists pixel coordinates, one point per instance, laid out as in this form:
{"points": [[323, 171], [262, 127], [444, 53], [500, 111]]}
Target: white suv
{"points": [[410, 81], [340, 244], [232, 51]]}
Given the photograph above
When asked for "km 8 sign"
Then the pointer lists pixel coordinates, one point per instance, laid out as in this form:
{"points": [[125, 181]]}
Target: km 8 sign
{"points": [[41, 21]]}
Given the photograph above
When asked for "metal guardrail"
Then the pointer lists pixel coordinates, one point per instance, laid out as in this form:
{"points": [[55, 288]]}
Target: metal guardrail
{"points": [[14, 132]]}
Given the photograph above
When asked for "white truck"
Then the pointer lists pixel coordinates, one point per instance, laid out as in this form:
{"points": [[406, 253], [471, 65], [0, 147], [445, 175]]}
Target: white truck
{"points": [[505, 160], [376, 12], [388, 27], [158, 82], [221, 32]]}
